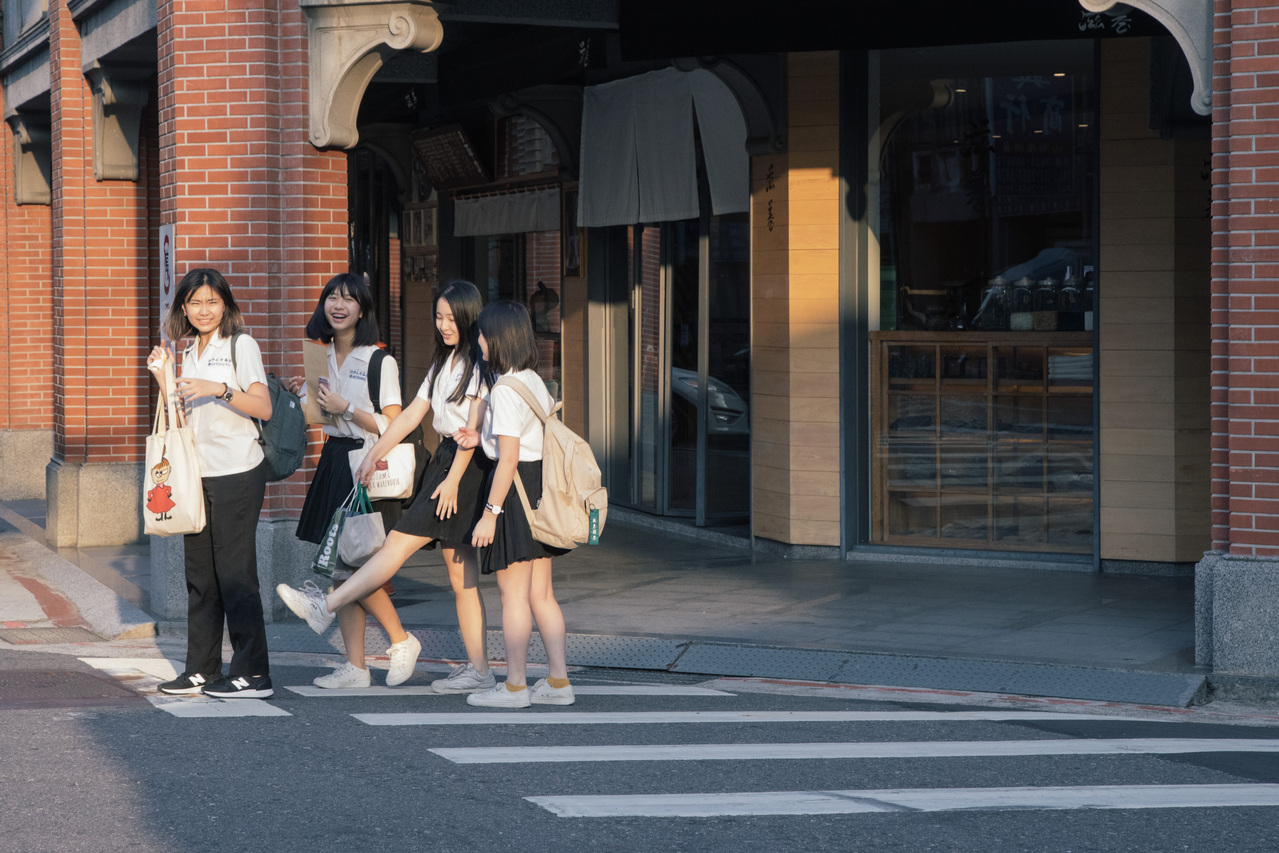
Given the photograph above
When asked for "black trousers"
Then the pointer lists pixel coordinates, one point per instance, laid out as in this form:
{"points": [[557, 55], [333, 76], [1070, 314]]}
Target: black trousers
{"points": [[222, 578]]}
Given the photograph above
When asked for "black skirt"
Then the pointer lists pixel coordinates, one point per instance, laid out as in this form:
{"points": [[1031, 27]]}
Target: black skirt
{"points": [[420, 518], [330, 487], [513, 540]]}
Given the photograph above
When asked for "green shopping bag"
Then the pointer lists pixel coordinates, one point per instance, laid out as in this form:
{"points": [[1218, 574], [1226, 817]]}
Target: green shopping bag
{"points": [[326, 558]]}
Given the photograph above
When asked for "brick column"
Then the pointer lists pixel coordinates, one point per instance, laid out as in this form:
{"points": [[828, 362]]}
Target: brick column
{"points": [[101, 249], [26, 341], [1237, 583], [248, 195]]}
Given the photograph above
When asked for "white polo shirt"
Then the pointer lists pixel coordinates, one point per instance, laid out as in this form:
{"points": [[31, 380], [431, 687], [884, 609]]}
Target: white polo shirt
{"points": [[449, 417], [225, 440], [351, 383], [508, 414]]}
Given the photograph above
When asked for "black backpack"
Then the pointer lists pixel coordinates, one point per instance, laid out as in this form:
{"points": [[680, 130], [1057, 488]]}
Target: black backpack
{"points": [[416, 438], [283, 437]]}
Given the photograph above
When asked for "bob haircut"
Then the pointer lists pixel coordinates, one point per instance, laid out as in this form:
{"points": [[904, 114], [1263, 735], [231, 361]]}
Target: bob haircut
{"points": [[508, 331], [177, 326], [465, 301], [354, 286]]}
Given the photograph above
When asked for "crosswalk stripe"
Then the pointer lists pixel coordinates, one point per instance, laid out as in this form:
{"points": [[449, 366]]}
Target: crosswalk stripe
{"points": [[907, 799], [578, 718], [807, 751], [579, 690], [147, 674]]}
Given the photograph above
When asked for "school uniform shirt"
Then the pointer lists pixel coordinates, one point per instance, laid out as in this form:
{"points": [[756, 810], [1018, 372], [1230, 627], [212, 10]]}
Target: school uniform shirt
{"points": [[449, 417], [351, 383], [508, 414], [225, 440]]}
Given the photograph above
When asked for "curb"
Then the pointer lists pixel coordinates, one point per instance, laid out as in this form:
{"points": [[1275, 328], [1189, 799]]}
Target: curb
{"points": [[107, 614]]}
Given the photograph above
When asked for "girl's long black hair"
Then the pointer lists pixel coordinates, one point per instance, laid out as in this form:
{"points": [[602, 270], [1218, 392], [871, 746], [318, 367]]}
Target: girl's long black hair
{"points": [[318, 327], [466, 303]]}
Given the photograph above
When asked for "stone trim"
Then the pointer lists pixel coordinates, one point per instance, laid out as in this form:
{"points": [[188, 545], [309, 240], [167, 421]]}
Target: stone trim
{"points": [[348, 43], [32, 159], [1190, 22], [119, 94]]}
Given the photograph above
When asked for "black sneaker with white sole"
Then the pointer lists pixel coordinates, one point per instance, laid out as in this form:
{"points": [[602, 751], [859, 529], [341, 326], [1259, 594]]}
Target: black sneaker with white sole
{"points": [[241, 687], [186, 684]]}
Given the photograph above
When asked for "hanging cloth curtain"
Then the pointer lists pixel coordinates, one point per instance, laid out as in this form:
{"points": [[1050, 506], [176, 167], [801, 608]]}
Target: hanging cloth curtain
{"points": [[638, 161], [508, 213]]}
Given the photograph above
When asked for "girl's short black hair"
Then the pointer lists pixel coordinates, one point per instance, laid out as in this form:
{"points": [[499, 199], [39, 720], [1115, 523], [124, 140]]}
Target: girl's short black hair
{"points": [[465, 302], [177, 326], [355, 286], [508, 331]]}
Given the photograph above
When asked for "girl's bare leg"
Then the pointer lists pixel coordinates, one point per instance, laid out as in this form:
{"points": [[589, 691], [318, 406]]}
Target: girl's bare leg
{"points": [[517, 619], [351, 623], [379, 606], [380, 568], [464, 575], [550, 619]]}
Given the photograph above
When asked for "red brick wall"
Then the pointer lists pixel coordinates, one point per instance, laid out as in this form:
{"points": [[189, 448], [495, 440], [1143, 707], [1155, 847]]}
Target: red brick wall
{"points": [[1245, 278], [244, 189], [26, 308], [101, 249]]}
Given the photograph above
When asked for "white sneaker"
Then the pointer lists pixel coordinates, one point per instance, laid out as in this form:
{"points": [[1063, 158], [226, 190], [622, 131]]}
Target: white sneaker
{"points": [[308, 603], [464, 679], [403, 660], [346, 675], [544, 694], [498, 696]]}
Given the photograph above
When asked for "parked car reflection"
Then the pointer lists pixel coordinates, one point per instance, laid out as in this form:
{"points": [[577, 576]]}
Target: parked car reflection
{"points": [[727, 410]]}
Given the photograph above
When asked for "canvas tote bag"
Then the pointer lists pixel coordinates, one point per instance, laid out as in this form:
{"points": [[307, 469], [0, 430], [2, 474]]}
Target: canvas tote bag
{"points": [[172, 497]]}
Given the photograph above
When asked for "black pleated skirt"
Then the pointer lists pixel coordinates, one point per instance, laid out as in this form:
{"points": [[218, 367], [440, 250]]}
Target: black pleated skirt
{"points": [[420, 518], [330, 486], [513, 541]]}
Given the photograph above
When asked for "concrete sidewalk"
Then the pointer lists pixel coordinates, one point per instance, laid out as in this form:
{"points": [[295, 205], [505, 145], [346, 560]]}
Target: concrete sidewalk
{"points": [[652, 598]]}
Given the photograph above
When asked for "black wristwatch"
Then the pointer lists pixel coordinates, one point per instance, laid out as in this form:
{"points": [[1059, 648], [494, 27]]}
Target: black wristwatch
{"points": [[227, 394]]}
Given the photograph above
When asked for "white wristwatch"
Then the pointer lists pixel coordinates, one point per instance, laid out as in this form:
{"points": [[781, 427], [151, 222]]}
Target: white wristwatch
{"points": [[493, 508], [349, 414]]}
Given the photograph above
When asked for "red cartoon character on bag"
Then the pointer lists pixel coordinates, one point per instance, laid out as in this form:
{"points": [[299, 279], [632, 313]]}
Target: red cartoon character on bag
{"points": [[159, 499]]}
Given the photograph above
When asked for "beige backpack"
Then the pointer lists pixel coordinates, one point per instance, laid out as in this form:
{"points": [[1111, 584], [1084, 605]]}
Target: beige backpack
{"points": [[574, 505]]}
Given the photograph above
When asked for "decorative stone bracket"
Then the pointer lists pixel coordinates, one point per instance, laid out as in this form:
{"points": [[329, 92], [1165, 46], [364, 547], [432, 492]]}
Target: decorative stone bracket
{"points": [[119, 94], [348, 43], [1190, 22], [32, 159]]}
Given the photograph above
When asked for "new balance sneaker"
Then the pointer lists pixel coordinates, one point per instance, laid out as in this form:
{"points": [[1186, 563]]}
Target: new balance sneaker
{"points": [[403, 658], [241, 687], [308, 603], [464, 679], [498, 696], [186, 684], [346, 675], [544, 694]]}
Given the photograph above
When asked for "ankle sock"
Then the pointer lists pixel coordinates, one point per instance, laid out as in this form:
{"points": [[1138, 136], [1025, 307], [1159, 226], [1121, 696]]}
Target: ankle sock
{"points": [[557, 683], [514, 688]]}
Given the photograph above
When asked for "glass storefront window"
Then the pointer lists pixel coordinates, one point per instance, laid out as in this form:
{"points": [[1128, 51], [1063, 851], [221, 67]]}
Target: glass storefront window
{"points": [[983, 164]]}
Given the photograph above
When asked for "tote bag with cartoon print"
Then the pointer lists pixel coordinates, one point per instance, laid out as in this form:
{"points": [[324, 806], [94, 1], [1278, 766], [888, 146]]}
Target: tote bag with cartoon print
{"points": [[172, 497]]}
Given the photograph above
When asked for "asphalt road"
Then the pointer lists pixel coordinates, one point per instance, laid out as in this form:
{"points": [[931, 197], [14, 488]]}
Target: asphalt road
{"points": [[353, 773]]}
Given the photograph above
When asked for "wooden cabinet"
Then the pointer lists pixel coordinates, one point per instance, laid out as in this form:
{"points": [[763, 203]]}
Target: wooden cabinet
{"points": [[983, 440]]}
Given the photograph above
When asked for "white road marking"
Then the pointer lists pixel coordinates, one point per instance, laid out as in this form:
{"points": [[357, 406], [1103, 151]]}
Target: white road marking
{"points": [[579, 690], [907, 799], [809, 751], [146, 674], [560, 718]]}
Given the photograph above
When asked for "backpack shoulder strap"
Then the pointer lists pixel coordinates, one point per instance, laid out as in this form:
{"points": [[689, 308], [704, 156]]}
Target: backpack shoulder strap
{"points": [[524, 391], [235, 336], [375, 378]]}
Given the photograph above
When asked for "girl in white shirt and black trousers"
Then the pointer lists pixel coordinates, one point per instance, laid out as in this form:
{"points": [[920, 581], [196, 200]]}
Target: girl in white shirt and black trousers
{"points": [[345, 320], [221, 395]]}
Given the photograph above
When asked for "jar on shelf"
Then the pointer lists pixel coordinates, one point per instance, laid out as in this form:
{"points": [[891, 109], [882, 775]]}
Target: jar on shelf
{"points": [[1070, 304], [1044, 312], [1020, 317], [993, 313]]}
